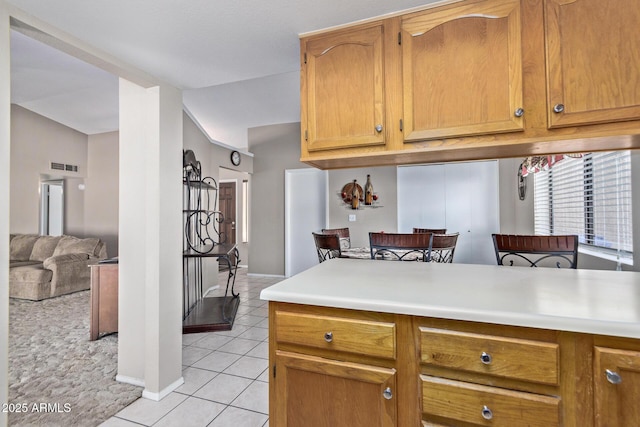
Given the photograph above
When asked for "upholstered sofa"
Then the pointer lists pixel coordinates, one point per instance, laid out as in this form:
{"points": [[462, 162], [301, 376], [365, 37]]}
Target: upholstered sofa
{"points": [[42, 267]]}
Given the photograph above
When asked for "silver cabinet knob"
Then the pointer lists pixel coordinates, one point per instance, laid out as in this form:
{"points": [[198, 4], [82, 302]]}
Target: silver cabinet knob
{"points": [[486, 413], [387, 393], [613, 377], [519, 112], [328, 336], [558, 108], [378, 128], [485, 358]]}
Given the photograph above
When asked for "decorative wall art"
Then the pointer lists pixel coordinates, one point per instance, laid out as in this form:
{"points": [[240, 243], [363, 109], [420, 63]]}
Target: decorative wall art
{"points": [[354, 196]]}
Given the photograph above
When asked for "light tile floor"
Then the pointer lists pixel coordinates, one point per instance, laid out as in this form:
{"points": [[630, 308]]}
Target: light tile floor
{"points": [[225, 373]]}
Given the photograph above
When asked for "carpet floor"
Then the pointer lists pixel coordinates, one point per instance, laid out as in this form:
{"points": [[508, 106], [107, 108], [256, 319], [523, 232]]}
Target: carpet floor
{"points": [[57, 377]]}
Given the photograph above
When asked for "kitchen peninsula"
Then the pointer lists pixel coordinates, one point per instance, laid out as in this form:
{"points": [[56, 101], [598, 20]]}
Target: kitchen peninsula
{"points": [[400, 343]]}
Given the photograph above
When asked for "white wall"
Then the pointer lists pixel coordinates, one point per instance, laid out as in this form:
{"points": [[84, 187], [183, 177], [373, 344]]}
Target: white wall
{"points": [[36, 142], [276, 148], [150, 259], [5, 164], [101, 190], [381, 218]]}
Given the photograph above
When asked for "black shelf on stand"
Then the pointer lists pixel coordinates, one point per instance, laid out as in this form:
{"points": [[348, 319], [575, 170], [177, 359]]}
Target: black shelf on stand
{"points": [[203, 240]]}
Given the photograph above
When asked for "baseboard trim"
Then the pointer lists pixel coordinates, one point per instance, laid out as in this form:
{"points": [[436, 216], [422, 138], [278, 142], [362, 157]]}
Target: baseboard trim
{"points": [[130, 380], [243, 266], [164, 392], [280, 276]]}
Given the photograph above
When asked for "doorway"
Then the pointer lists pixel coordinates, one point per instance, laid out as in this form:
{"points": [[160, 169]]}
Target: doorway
{"points": [[52, 207], [227, 198]]}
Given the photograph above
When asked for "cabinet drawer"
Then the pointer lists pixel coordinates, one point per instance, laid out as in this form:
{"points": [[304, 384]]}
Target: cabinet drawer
{"points": [[367, 337], [483, 405], [514, 358]]}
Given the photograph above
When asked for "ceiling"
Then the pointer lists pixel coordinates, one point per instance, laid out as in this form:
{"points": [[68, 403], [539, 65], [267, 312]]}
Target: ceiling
{"points": [[237, 62]]}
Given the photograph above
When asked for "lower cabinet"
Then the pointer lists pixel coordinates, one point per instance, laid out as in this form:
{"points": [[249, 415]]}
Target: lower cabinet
{"points": [[616, 376], [338, 367], [319, 392]]}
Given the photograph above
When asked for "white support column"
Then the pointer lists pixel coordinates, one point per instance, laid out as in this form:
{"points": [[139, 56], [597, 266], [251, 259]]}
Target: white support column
{"points": [[150, 242], [5, 144]]}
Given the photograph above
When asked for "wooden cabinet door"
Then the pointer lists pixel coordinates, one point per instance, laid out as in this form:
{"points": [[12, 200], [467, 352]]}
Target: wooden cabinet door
{"points": [[343, 89], [462, 70], [318, 392], [593, 61], [617, 387]]}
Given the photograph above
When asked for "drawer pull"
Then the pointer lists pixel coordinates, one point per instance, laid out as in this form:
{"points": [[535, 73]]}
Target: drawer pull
{"points": [[485, 358], [613, 377], [486, 413], [328, 336], [387, 393]]}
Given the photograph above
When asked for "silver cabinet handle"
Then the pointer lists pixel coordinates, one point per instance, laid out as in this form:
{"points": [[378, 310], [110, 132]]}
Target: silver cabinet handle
{"points": [[328, 336], [387, 393], [613, 377], [558, 108], [486, 413], [519, 112], [378, 128], [485, 358]]}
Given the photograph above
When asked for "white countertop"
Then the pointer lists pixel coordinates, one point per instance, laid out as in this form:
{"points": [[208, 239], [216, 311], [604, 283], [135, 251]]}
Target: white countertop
{"points": [[590, 301]]}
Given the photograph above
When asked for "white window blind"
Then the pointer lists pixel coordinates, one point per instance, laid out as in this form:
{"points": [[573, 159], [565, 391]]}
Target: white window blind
{"points": [[590, 197]]}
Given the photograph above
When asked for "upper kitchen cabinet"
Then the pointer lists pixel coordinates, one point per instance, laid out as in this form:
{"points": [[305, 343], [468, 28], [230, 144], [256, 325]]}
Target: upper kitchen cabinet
{"points": [[593, 58], [342, 89], [462, 70]]}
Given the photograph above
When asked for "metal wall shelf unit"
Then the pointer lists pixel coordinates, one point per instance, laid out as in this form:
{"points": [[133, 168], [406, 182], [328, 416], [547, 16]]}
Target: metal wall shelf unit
{"points": [[202, 240]]}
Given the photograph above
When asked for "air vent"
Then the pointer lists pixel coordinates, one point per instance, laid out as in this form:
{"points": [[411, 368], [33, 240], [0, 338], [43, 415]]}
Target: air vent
{"points": [[64, 167]]}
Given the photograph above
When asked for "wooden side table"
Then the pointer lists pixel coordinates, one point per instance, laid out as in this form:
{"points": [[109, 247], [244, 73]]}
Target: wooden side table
{"points": [[104, 299]]}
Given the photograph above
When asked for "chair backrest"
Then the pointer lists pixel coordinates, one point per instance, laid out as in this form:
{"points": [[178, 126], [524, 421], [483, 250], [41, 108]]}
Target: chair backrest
{"points": [[343, 235], [327, 246], [430, 230], [443, 247], [536, 251], [401, 246]]}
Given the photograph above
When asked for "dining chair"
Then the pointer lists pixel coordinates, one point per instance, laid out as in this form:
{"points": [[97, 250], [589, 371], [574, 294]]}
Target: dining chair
{"points": [[327, 246], [443, 247], [430, 230], [536, 251], [401, 246], [343, 235]]}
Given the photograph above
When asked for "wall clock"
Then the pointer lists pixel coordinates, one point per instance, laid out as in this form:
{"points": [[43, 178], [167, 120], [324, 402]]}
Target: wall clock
{"points": [[235, 158]]}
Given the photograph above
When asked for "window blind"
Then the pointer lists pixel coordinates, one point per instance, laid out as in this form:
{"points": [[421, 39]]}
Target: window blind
{"points": [[590, 197]]}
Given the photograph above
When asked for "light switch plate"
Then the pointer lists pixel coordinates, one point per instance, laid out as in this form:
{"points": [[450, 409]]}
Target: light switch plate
{"points": [[352, 217]]}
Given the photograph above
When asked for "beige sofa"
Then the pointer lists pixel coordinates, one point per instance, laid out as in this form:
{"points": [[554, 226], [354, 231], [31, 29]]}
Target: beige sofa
{"points": [[42, 267]]}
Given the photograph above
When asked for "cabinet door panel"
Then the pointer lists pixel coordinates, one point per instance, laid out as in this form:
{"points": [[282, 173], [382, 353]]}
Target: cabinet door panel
{"points": [[318, 392], [617, 404], [593, 58], [344, 77], [462, 71]]}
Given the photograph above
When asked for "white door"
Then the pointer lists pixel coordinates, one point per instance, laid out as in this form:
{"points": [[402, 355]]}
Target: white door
{"points": [[461, 197], [305, 212], [52, 208]]}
